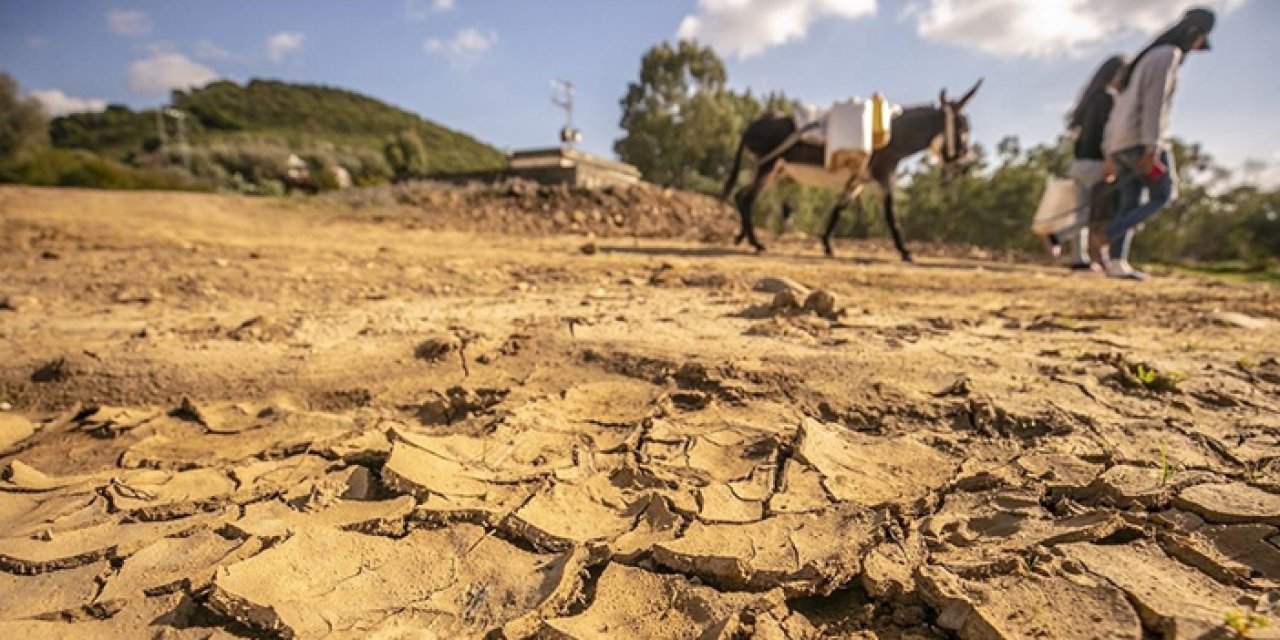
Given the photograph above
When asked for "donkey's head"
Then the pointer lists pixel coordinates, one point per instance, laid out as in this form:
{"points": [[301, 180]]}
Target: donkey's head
{"points": [[951, 144]]}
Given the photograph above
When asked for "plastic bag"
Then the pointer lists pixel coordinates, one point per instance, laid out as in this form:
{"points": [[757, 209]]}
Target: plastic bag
{"points": [[1058, 207]]}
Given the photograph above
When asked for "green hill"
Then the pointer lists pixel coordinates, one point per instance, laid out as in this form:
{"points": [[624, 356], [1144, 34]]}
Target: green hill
{"points": [[274, 116]]}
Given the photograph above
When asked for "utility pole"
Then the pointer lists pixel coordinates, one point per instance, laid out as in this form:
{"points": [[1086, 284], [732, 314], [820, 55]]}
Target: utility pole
{"points": [[160, 129], [179, 117], [562, 97]]}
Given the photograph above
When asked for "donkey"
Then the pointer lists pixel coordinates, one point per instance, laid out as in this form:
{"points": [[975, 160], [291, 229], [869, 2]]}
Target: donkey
{"points": [[943, 129]]}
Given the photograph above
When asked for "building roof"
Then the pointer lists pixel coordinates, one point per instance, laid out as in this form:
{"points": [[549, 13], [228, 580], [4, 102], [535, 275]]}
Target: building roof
{"points": [[566, 157]]}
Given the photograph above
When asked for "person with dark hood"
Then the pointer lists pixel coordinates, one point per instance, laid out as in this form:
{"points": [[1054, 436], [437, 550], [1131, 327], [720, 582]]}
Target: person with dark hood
{"points": [[1136, 139], [1086, 122]]}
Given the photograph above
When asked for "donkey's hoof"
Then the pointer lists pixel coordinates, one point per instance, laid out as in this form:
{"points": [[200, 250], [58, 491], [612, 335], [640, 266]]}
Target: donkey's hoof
{"points": [[738, 240], [827, 251], [906, 257], [759, 249]]}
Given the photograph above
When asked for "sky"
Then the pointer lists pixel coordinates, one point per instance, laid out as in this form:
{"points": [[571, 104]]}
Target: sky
{"points": [[486, 66]]}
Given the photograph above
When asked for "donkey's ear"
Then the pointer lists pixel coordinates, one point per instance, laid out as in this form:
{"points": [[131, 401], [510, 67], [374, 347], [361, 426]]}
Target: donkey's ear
{"points": [[942, 97], [969, 96]]}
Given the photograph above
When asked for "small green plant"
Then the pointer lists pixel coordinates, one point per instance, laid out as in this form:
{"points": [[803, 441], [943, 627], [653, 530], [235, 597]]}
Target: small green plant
{"points": [[1141, 376], [1243, 624], [1166, 471]]}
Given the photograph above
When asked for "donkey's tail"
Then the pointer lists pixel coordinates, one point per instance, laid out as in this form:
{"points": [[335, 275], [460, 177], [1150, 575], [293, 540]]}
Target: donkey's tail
{"points": [[732, 180]]}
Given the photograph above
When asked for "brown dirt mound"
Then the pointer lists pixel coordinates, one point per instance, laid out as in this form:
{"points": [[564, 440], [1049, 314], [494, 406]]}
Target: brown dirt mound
{"points": [[526, 208]]}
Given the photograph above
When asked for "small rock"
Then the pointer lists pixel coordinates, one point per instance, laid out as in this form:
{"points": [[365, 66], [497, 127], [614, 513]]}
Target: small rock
{"points": [[5, 406], [131, 296], [821, 302], [14, 429], [785, 300], [1233, 319], [961, 386], [777, 285], [908, 615], [589, 249], [221, 262], [434, 348], [1230, 503], [57, 370], [49, 255]]}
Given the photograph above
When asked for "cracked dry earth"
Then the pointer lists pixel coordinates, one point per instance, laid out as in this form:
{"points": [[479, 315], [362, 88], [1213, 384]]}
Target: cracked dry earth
{"points": [[250, 418]]}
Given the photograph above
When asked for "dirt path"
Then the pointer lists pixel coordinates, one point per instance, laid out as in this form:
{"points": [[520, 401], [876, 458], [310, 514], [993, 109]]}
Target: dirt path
{"points": [[231, 417]]}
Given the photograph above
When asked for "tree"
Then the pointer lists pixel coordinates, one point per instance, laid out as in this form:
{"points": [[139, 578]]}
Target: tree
{"points": [[682, 124], [22, 123], [407, 155]]}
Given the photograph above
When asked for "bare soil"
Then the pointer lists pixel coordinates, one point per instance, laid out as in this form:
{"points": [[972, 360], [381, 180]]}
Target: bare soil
{"points": [[449, 416]]}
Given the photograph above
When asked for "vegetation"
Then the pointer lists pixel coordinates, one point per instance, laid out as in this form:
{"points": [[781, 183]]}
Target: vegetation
{"points": [[406, 155], [1142, 376], [22, 125], [51, 167], [1244, 624], [682, 123], [237, 138]]}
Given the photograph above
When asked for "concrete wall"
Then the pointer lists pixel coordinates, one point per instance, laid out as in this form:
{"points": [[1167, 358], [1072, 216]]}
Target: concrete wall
{"points": [[555, 166]]}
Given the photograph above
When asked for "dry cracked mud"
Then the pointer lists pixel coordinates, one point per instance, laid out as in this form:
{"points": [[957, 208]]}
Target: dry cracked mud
{"points": [[228, 418]]}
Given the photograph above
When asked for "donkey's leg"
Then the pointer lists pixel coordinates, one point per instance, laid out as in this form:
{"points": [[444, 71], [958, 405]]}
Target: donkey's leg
{"points": [[738, 201], [746, 202], [832, 221], [893, 224], [849, 195]]}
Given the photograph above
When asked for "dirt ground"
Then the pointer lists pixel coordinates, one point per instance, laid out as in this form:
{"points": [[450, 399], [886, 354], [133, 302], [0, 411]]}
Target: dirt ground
{"points": [[228, 417]]}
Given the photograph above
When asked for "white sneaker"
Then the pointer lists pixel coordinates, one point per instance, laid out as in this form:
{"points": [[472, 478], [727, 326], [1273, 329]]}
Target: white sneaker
{"points": [[1121, 269]]}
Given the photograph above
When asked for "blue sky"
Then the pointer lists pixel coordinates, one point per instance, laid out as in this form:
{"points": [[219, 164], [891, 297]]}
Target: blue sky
{"points": [[485, 66]]}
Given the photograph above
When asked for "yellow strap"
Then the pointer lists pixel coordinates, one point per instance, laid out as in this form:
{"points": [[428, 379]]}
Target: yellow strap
{"points": [[879, 129]]}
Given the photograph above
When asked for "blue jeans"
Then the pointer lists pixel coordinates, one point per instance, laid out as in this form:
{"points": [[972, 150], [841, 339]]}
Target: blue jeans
{"points": [[1132, 186]]}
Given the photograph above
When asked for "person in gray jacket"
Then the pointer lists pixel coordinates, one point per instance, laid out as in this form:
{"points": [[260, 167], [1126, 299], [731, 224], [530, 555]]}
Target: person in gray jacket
{"points": [[1137, 137]]}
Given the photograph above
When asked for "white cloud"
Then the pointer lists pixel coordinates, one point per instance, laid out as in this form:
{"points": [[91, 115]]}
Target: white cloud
{"points": [[56, 103], [466, 45], [421, 9], [164, 71], [157, 47], [128, 23], [207, 50], [283, 44], [747, 28], [1042, 28]]}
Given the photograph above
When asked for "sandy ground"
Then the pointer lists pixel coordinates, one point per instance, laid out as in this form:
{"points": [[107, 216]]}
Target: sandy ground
{"points": [[230, 417]]}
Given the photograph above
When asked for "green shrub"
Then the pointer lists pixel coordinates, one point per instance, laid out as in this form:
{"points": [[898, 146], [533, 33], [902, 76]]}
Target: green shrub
{"points": [[61, 168]]}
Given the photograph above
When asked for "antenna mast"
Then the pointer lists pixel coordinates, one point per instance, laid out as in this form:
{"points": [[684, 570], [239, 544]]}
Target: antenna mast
{"points": [[562, 96]]}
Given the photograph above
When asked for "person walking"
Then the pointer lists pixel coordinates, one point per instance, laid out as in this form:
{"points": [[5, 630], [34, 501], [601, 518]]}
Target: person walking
{"points": [[1087, 122], [1136, 138]]}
